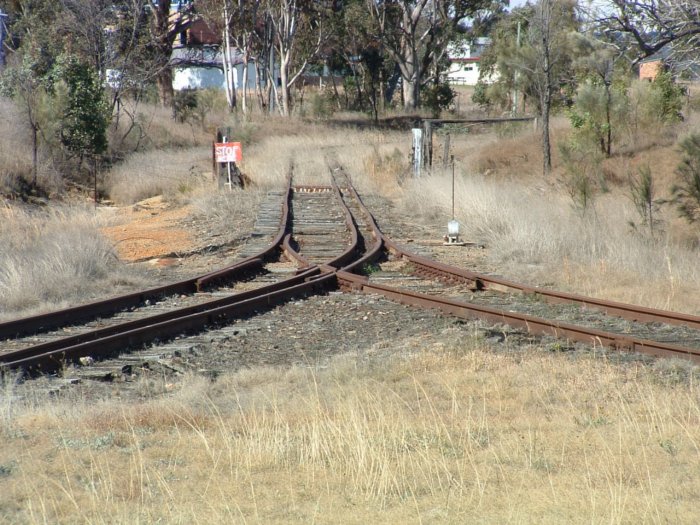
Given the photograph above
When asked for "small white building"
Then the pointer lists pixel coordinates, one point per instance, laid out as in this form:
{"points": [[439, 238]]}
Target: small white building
{"points": [[201, 68], [464, 62]]}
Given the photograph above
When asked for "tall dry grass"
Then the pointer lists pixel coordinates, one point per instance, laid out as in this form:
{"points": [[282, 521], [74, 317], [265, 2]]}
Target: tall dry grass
{"points": [[311, 148], [538, 235], [224, 209], [456, 433], [55, 259], [16, 155], [170, 173]]}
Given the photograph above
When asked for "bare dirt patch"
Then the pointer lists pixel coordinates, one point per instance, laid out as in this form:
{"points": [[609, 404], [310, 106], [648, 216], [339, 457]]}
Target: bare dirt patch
{"points": [[151, 229]]}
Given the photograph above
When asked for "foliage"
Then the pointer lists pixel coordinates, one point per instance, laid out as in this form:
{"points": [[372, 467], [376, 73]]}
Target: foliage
{"points": [[598, 109], [667, 100], [185, 104], [686, 194], [517, 63], [480, 96], [643, 194], [438, 97], [85, 118], [584, 176]]}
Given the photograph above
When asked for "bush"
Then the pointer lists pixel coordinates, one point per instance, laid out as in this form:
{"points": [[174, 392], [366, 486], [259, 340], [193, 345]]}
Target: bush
{"points": [[185, 104], [667, 100], [480, 96], [438, 97], [686, 194], [584, 175]]}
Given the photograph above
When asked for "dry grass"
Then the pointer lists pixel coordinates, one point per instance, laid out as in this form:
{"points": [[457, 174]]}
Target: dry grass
{"points": [[538, 236], [457, 434], [311, 147], [159, 172], [145, 126], [227, 208], [55, 259], [16, 155]]}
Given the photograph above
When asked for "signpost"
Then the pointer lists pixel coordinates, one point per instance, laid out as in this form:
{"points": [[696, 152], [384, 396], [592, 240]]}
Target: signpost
{"points": [[228, 153]]}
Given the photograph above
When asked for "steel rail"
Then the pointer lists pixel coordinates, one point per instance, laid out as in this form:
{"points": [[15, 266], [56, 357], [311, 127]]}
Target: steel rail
{"points": [[113, 344], [344, 258], [93, 337], [105, 307], [377, 249], [103, 342], [532, 324], [480, 281]]}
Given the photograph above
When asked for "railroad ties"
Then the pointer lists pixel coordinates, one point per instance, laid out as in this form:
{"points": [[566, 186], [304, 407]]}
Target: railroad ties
{"points": [[309, 240], [320, 227]]}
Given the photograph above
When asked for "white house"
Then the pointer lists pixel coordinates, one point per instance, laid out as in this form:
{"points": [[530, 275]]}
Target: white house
{"points": [[464, 62], [200, 68]]}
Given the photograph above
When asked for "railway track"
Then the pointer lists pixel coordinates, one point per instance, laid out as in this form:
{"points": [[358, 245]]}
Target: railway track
{"points": [[314, 217], [318, 238]]}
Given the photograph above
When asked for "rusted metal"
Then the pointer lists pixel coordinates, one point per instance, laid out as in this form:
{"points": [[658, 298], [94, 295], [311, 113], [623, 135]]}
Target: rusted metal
{"points": [[532, 324], [154, 320], [106, 307], [45, 361], [318, 278], [479, 281], [52, 355]]}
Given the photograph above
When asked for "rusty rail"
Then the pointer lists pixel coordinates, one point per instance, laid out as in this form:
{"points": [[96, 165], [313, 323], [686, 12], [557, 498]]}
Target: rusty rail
{"points": [[532, 324], [480, 281], [342, 272], [110, 306], [50, 356]]}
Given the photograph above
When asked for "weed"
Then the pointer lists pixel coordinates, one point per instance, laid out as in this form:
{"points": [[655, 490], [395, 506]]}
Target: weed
{"points": [[369, 268]]}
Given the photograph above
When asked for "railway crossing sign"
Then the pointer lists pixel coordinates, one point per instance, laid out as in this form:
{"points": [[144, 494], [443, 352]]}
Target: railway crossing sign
{"points": [[228, 152]]}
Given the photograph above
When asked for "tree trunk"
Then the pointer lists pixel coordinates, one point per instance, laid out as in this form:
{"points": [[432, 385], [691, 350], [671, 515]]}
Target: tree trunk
{"points": [[608, 103], [411, 74], [285, 91], [35, 154], [546, 146], [244, 100], [546, 96], [164, 82]]}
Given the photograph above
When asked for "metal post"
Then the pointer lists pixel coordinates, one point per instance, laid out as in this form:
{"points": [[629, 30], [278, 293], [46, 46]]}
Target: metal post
{"points": [[453, 187], [446, 154], [417, 151]]}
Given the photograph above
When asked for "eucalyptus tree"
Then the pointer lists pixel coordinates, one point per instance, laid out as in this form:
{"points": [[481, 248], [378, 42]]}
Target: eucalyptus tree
{"points": [[298, 29], [656, 25], [417, 34], [165, 27], [539, 65]]}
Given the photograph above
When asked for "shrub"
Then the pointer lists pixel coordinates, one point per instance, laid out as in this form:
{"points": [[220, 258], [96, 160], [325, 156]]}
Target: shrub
{"points": [[667, 100], [686, 194], [438, 97]]}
